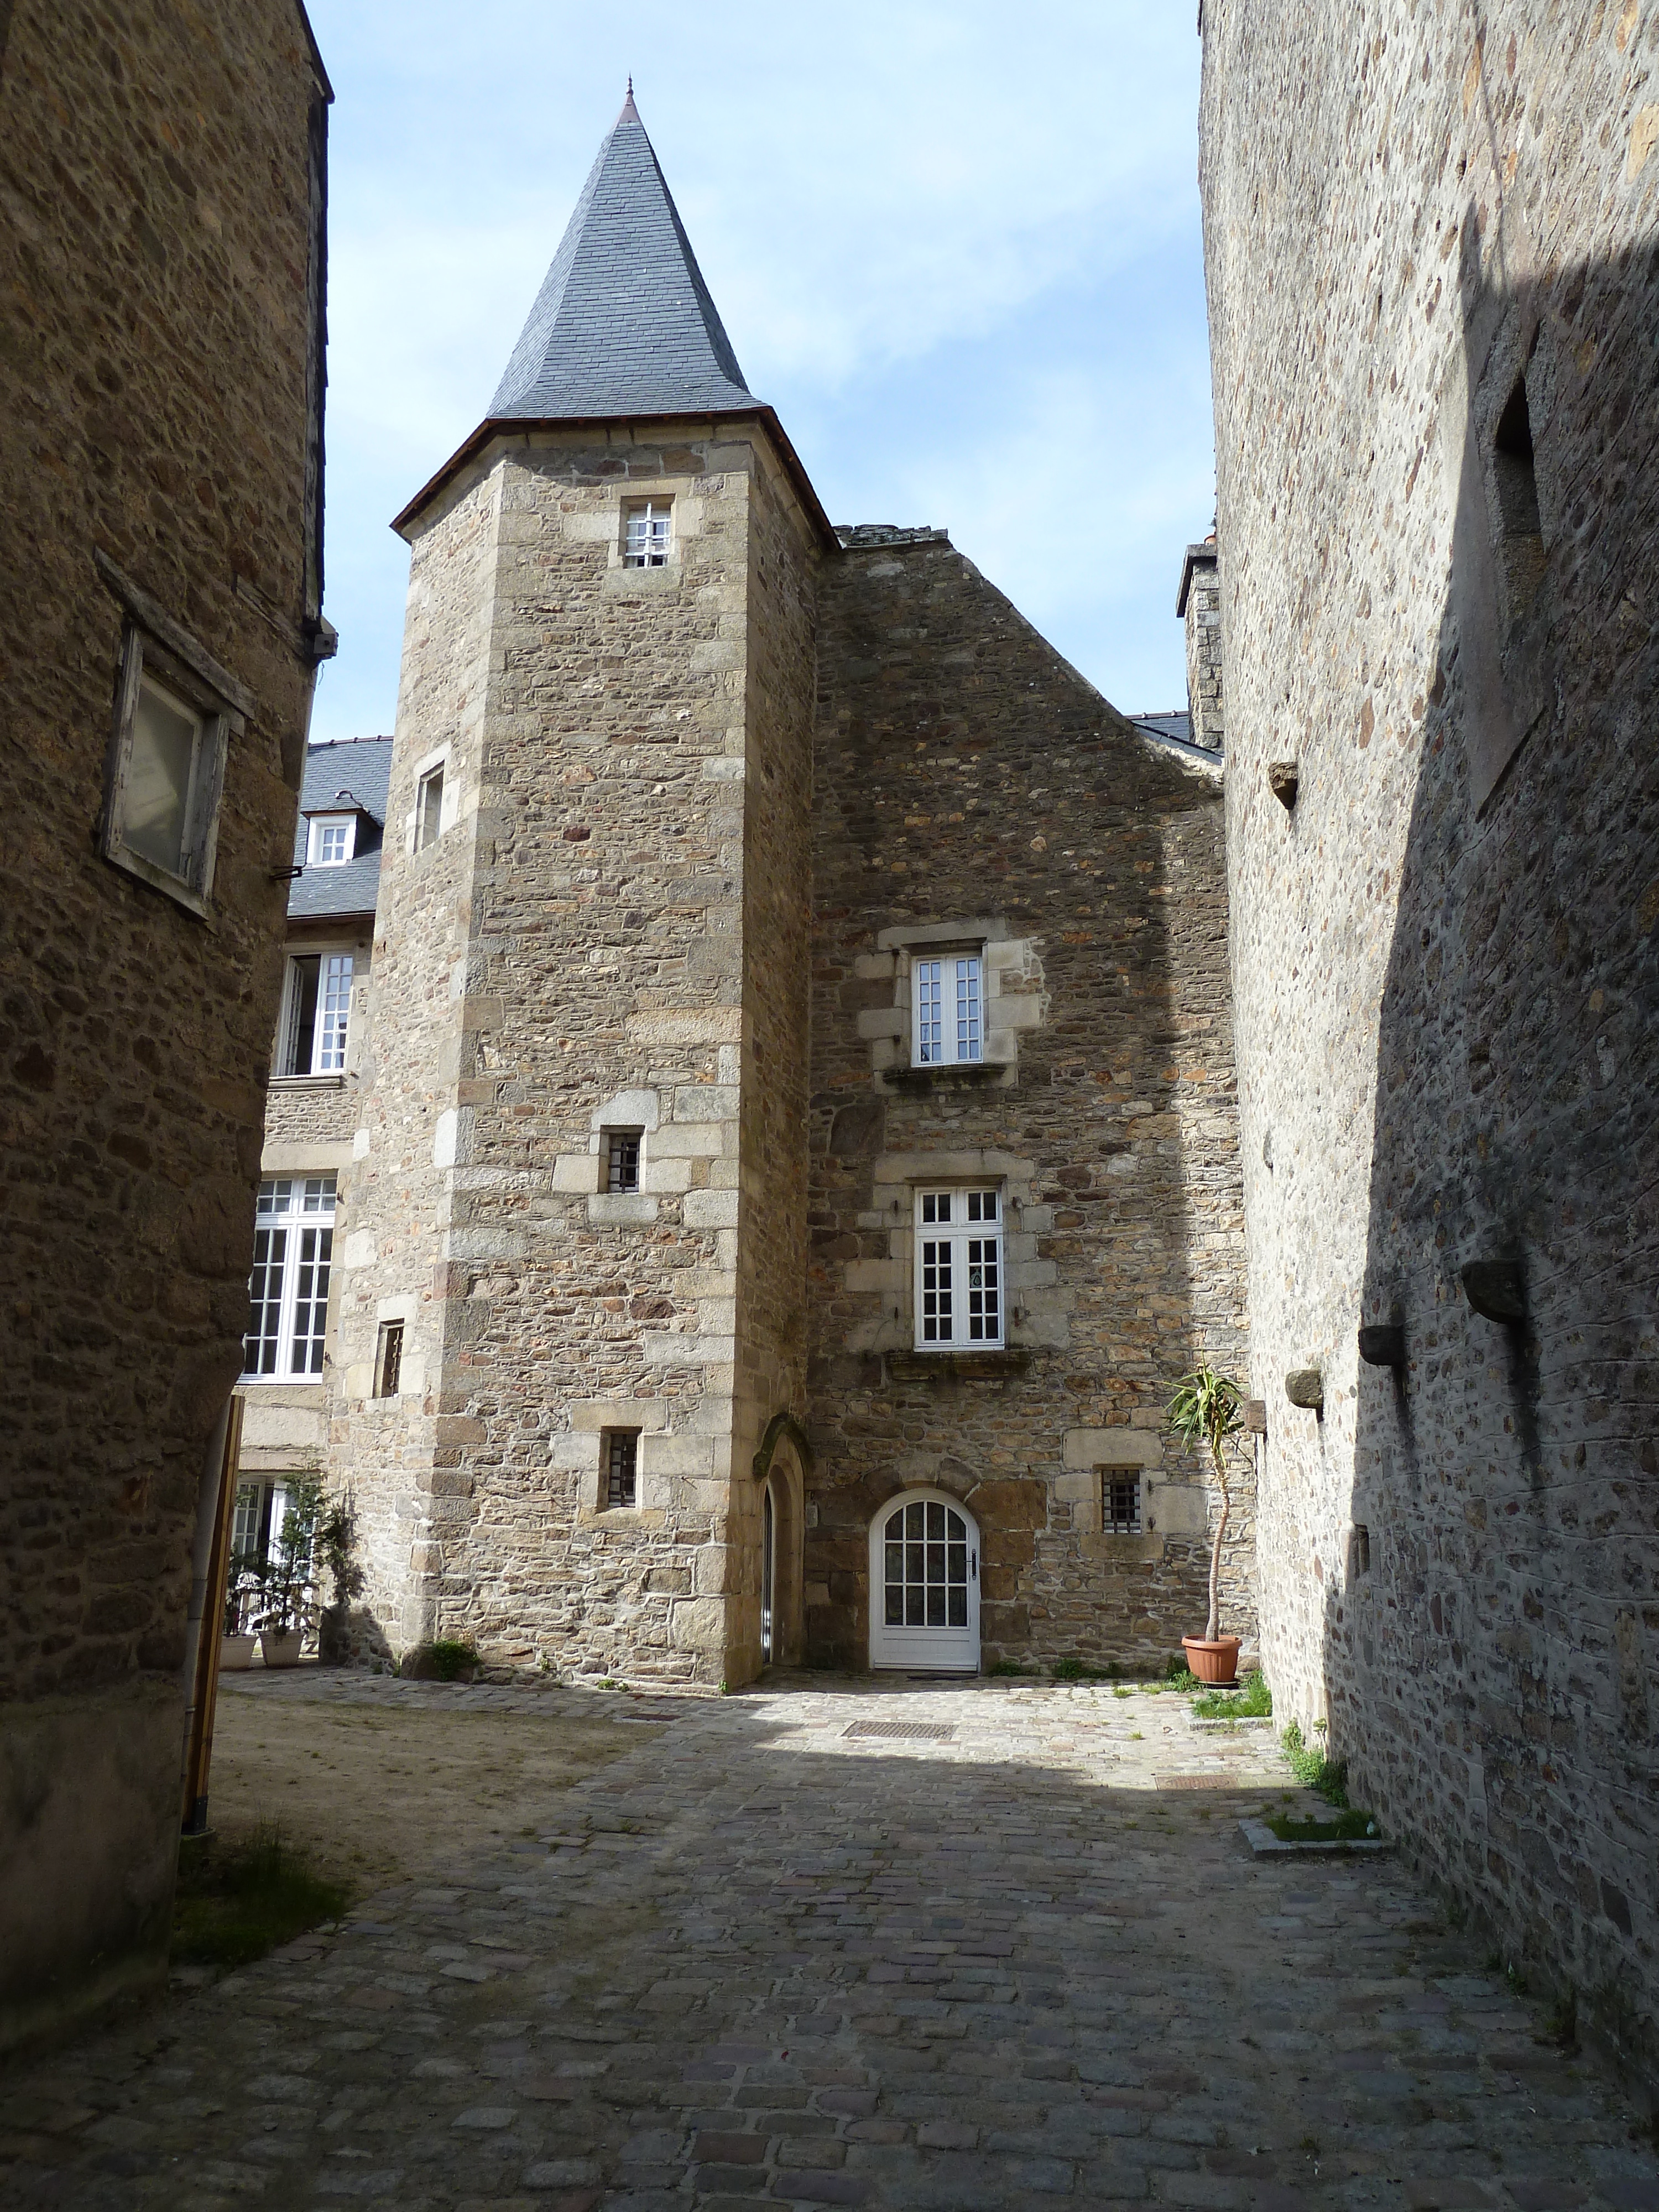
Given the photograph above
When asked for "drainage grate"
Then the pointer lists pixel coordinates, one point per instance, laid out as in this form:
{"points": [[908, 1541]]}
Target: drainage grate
{"points": [[1201, 1782], [910, 1731]]}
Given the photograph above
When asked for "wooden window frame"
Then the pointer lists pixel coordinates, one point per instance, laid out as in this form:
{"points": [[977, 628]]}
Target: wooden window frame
{"points": [[291, 1218], [951, 1003], [966, 1226], [286, 1026]]}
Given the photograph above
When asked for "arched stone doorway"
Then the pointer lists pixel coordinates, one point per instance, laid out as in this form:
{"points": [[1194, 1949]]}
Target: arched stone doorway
{"points": [[924, 1584], [781, 1473]]}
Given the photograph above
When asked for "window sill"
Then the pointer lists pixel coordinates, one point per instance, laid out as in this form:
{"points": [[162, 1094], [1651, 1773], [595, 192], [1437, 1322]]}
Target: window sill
{"points": [[306, 1083], [963, 1075], [915, 1366]]}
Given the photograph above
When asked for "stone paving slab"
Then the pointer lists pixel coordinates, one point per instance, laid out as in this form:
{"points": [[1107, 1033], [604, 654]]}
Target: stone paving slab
{"points": [[759, 1962]]}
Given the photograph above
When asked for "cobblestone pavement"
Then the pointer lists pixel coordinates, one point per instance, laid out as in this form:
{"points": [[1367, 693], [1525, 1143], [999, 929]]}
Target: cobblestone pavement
{"points": [[925, 1945]]}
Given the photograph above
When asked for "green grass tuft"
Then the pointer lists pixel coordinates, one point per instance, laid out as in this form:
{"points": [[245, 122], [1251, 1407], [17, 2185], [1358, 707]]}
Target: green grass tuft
{"points": [[236, 1901], [1252, 1700], [1006, 1667], [1348, 1826], [451, 1659], [1326, 1777]]}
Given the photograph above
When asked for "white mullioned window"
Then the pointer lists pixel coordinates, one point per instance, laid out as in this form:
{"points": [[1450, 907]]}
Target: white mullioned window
{"points": [[288, 1290], [645, 534], [319, 1014], [959, 1295], [333, 840], [948, 998]]}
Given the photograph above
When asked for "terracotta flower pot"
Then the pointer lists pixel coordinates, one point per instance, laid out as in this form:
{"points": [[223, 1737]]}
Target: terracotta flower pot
{"points": [[281, 1650], [1216, 1662], [236, 1652]]}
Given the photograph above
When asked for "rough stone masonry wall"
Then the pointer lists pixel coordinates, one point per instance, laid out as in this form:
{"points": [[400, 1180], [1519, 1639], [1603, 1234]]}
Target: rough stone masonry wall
{"points": [[153, 393], [419, 1087], [1444, 958], [965, 773], [595, 972]]}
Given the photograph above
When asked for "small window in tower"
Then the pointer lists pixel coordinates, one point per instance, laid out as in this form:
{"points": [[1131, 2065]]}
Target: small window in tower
{"points": [[622, 1465], [429, 808], [1119, 1503], [389, 1366], [1359, 1551], [622, 1164], [645, 534]]}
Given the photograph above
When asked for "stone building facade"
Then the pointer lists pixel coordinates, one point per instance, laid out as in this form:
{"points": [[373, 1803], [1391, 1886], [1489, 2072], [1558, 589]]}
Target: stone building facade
{"points": [[1430, 238], [161, 585], [692, 799], [312, 1114]]}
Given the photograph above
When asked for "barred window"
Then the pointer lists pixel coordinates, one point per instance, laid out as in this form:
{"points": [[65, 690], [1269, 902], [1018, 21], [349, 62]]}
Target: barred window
{"points": [[645, 534], [621, 1168], [947, 996], [958, 1268], [287, 1289], [1119, 1504], [389, 1367], [622, 1464]]}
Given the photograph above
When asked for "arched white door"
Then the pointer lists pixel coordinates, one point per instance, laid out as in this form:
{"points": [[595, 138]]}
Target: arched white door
{"points": [[924, 1584]]}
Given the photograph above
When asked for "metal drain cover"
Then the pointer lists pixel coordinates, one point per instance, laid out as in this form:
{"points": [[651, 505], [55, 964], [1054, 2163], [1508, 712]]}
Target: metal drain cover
{"points": [[906, 1731]]}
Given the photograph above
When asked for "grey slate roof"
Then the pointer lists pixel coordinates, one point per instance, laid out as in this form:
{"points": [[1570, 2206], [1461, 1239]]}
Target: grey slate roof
{"points": [[624, 323], [363, 768]]}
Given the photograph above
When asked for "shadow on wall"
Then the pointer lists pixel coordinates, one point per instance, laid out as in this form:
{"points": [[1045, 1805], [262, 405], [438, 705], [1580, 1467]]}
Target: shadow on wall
{"points": [[1489, 1652]]}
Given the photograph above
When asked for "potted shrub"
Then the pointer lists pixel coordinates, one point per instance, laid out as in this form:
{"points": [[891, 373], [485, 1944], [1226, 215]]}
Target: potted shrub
{"points": [[286, 1610], [236, 1650], [337, 1550], [1206, 1413]]}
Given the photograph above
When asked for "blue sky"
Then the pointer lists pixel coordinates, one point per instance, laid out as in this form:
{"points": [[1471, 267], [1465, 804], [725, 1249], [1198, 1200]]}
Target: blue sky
{"points": [[956, 246]]}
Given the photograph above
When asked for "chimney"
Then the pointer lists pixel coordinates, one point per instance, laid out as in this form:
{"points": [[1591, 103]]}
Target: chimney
{"points": [[1200, 604]]}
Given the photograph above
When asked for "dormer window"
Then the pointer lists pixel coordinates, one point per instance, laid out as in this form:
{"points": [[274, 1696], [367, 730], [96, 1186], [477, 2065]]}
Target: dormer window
{"points": [[645, 534], [333, 841], [948, 999]]}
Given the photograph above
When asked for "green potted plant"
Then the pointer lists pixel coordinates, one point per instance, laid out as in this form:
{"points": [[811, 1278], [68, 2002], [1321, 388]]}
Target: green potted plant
{"points": [[336, 1552], [1206, 1413], [286, 1582], [236, 1650]]}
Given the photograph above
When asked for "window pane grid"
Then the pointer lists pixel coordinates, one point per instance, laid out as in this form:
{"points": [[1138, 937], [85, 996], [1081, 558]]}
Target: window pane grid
{"points": [[623, 1161], [929, 1021], [959, 1272], [968, 1009], [942, 1037], [622, 1465], [647, 542], [334, 1009], [1120, 1504], [925, 1568], [288, 1289]]}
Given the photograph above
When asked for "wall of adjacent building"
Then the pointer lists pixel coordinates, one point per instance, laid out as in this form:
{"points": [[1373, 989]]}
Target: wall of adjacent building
{"points": [[1444, 958], [157, 397], [967, 782]]}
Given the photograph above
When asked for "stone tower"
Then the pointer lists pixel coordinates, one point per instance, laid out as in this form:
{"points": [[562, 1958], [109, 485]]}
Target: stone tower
{"points": [[572, 1314]]}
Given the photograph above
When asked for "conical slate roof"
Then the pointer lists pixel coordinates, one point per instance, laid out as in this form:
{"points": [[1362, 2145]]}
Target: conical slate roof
{"points": [[624, 323]]}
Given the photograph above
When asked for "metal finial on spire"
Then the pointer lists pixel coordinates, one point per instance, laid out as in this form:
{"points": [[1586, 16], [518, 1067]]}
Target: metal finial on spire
{"points": [[630, 112]]}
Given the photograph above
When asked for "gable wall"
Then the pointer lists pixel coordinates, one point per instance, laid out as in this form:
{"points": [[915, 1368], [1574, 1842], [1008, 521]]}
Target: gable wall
{"points": [[963, 772]]}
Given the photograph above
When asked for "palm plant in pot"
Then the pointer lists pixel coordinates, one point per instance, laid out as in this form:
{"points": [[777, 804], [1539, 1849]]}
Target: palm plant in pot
{"points": [[1206, 1413], [286, 1581]]}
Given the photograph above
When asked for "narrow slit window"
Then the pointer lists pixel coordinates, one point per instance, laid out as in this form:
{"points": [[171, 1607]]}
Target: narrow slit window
{"points": [[429, 808], [621, 1163], [1119, 1504], [1521, 528], [645, 540], [389, 1377], [621, 1467], [1359, 1551]]}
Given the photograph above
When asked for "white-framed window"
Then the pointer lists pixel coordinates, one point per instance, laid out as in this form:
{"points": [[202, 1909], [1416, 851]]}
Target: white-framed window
{"points": [[429, 808], [947, 998], [959, 1292], [333, 841], [317, 1014], [166, 772], [645, 534], [287, 1289]]}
